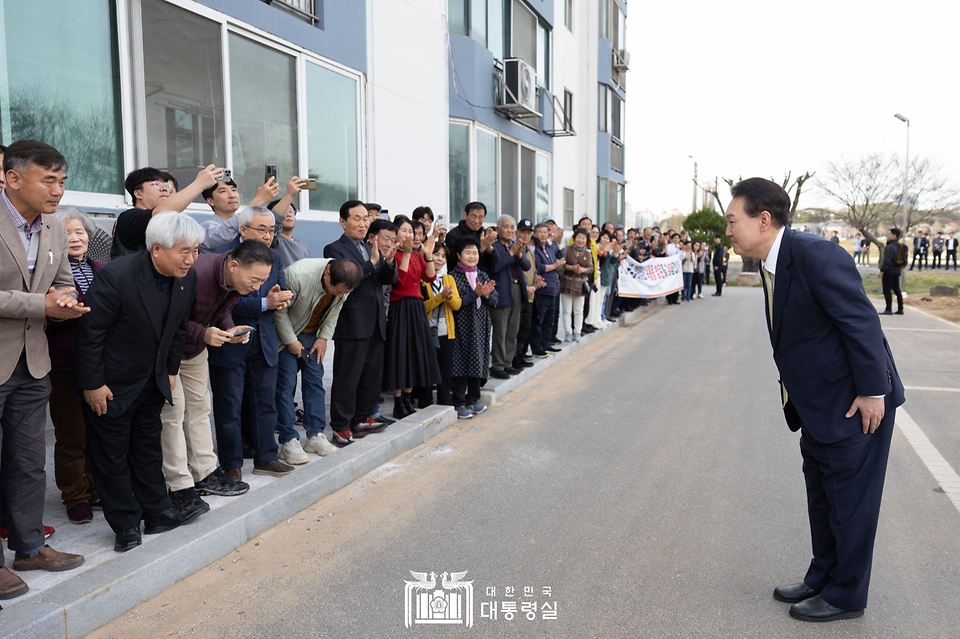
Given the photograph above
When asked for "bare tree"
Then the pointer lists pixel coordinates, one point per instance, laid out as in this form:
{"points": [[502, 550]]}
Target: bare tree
{"points": [[866, 187], [930, 194]]}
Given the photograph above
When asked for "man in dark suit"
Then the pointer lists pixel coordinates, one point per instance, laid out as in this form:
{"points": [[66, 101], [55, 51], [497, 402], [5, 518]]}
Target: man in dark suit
{"points": [[128, 352], [718, 264], [361, 329], [838, 385], [243, 377]]}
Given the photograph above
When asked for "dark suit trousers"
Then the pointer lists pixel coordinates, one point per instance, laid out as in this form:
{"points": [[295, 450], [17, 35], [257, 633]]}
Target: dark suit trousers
{"points": [[23, 416], [891, 286], [718, 276], [128, 460], [357, 377], [844, 485]]}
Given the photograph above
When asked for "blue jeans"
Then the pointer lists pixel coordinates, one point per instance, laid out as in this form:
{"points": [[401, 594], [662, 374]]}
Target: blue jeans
{"points": [[314, 396], [687, 286], [254, 382]]}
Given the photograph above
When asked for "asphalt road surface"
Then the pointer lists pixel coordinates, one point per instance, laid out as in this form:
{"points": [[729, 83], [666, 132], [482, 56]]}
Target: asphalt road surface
{"points": [[646, 487]]}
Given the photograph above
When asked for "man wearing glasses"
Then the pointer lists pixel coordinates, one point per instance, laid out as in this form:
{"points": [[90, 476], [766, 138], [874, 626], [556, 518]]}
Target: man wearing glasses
{"points": [[246, 374], [151, 193]]}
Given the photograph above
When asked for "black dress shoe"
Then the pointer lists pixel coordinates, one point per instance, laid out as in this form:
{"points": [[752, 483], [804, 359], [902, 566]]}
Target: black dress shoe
{"points": [[384, 420], [794, 593], [509, 370], [900, 312], [127, 540], [499, 375], [521, 364], [886, 313], [816, 609], [551, 349], [363, 429], [169, 519]]}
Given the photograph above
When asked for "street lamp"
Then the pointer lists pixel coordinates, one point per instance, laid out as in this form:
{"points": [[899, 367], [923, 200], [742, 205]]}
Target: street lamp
{"points": [[903, 196], [693, 209]]}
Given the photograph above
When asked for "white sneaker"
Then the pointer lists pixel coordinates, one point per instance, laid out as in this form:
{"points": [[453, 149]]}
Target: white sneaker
{"points": [[318, 444], [568, 337], [292, 453], [576, 337]]}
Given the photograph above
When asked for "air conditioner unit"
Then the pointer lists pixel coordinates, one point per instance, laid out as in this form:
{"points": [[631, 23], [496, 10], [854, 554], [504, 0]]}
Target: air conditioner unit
{"points": [[521, 84], [621, 59]]}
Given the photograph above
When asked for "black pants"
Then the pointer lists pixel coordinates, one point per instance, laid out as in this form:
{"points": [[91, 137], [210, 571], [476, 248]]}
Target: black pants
{"points": [[891, 285], [718, 276], [936, 259], [554, 323], [445, 361], [920, 258], [466, 390], [844, 482], [523, 333], [540, 335], [950, 255], [128, 461], [357, 377]]}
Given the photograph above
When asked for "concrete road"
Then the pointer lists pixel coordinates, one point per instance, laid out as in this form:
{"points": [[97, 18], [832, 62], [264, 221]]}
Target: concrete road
{"points": [[649, 482]]}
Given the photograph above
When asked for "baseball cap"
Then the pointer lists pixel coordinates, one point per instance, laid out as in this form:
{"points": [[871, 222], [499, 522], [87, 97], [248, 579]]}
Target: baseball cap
{"points": [[525, 225]]}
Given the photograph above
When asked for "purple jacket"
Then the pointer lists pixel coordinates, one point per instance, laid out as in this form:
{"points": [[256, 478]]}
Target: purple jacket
{"points": [[212, 305], [60, 335]]}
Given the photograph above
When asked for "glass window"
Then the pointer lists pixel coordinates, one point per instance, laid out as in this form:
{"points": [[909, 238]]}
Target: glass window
{"points": [[331, 138], [528, 183], [495, 28], [602, 109], [263, 99], [457, 16], [616, 118], [602, 215], [459, 169], [615, 24], [543, 55], [487, 173], [605, 18], [567, 110], [63, 87], [509, 174], [568, 208], [524, 36], [184, 99], [568, 14], [478, 21], [543, 187]]}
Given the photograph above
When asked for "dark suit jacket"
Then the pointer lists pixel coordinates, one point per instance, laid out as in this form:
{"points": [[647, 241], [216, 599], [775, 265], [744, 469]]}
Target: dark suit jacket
{"points": [[501, 274], [120, 342], [248, 311], [364, 310], [826, 338]]}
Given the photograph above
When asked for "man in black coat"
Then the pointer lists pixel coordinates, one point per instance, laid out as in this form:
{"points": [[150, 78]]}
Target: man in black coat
{"points": [[890, 272], [471, 225], [361, 329], [718, 264], [128, 352]]}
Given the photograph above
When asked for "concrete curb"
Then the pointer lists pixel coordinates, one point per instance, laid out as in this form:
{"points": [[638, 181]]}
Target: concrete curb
{"points": [[97, 596]]}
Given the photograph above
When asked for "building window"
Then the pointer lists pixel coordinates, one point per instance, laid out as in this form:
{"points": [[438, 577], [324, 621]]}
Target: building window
{"points": [[64, 91], [509, 178], [263, 102], [523, 40], [543, 188], [487, 173], [567, 110], [183, 100], [457, 16], [568, 208], [459, 149], [332, 137], [568, 14], [609, 202], [612, 23], [528, 183], [602, 110]]}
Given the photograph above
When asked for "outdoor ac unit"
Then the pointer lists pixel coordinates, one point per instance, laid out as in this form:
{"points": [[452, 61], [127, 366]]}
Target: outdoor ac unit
{"points": [[521, 84], [621, 59]]}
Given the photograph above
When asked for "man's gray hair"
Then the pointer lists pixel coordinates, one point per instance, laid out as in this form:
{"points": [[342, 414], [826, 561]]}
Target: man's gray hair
{"points": [[246, 214], [66, 212], [171, 228], [505, 218]]}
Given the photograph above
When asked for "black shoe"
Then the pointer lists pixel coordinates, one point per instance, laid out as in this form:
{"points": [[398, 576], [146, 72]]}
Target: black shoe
{"points": [[217, 483], [540, 354], [520, 364], [555, 342], [551, 349], [400, 408], [816, 609], [794, 593], [715, 294], [127, 540], [885, 313], [187, 499], [900, 312], [169, 519], [499, 374], [408, 405], [298, 420], [509, 370], [248, 452], [384, 420], [587, 329]]}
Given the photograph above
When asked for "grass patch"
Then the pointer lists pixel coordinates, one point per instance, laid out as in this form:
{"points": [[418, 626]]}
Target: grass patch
{"points": [[918, 282]]}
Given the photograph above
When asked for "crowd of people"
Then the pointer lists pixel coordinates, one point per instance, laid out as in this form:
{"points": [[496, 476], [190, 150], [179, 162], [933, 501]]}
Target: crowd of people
{"points": [[137, 340]]}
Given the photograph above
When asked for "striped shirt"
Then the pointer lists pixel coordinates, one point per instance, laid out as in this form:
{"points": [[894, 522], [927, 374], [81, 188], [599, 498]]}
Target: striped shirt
{"points": [[82, 273]]}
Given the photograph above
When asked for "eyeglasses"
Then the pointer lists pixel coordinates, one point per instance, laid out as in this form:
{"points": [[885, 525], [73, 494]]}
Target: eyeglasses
{"points": [[262, 230], [160, 186]]}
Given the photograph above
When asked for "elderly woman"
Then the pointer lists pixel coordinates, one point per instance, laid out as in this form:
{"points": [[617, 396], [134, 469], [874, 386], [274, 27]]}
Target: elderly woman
{"points": [[71, 460], [574, 285]]}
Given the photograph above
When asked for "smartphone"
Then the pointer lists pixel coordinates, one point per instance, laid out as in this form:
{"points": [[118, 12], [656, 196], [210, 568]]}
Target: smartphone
{"points": [[245, 331], [269, 171], [308, 185], [227, 175]]}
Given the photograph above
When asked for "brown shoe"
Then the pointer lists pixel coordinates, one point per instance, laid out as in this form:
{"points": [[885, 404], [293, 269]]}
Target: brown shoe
{"points": [[235, 474], [10, 585], [47, 559], [276, 468]]}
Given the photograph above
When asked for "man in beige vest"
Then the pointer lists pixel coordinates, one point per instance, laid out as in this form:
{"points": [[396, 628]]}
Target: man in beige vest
{"points": [[35, 283]]}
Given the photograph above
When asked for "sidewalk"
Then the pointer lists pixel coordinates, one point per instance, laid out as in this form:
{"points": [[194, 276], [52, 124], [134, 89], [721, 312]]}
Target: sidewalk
{"points": [[74, 603]]}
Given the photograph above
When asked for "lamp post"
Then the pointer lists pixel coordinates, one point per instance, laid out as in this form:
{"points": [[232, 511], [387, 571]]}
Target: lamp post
{"points": [[903, 196], [693, 208]]}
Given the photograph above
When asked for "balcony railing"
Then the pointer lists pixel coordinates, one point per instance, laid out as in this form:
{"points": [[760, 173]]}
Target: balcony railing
{"points": [[309, 10], [616, 155]]}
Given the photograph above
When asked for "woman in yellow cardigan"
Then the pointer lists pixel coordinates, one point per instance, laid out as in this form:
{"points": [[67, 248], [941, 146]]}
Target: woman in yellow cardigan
{"points": [[440, 300]]}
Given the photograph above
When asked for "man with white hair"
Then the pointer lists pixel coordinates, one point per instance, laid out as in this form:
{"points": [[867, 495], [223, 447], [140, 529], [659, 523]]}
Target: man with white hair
{"points": [[507, 271], [128, 352]]}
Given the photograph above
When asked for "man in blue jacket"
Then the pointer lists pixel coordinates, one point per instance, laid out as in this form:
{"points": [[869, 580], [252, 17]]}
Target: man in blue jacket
{"points": [[507, 271], [838, 386]]}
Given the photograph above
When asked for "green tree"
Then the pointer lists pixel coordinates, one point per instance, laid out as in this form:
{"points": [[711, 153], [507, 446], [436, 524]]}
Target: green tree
{"points": [[705, 224]]}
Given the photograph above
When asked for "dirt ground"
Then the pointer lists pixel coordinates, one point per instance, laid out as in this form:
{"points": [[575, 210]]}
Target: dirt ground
{"points": [[946, 307]]}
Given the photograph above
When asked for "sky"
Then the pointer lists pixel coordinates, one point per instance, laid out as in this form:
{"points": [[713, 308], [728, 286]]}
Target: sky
{"points": [[762, 87]]}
